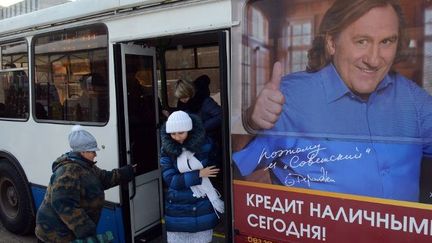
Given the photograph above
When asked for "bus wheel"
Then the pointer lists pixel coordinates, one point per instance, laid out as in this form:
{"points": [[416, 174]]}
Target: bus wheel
{"points": [[16, 211]]}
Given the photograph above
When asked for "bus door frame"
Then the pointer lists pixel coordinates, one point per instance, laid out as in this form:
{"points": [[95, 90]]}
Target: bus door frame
{"points": [[144, 193], [225, 74]]}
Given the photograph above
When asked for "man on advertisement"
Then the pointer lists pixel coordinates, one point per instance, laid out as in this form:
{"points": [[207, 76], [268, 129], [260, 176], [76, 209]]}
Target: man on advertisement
{"points": [[349, 123]]}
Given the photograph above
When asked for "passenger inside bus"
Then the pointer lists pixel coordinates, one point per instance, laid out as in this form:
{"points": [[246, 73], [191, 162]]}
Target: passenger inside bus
{"points": [[41, 113], [15, 89], [142, 119], [144, 78], [194, 98], [93, 100], [2, 110]]}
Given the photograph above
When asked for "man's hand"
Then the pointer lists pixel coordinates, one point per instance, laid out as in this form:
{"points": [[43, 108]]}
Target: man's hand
{"points": [[265, 112]]}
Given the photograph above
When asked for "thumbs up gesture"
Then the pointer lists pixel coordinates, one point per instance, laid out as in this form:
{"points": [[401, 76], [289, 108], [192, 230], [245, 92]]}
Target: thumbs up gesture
{"points": [[266, 109]]}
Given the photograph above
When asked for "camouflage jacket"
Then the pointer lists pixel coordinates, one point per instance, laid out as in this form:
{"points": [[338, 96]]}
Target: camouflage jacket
{"points": [[74, 198]]}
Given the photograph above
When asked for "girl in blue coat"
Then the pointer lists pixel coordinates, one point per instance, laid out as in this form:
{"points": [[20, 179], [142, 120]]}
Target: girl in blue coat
{"points": [[191, 202]]}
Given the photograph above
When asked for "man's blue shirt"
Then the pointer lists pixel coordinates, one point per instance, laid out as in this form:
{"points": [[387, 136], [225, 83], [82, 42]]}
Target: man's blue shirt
{"points": [[328, 138]]}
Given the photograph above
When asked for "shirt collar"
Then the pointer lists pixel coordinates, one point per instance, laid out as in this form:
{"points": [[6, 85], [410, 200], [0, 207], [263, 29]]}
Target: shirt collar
{"points": [[336, 88], [388, 80]]}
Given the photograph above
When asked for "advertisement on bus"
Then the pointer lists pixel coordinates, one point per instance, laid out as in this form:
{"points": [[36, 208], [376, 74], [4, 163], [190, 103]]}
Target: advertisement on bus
{"points": [[332, 122]]}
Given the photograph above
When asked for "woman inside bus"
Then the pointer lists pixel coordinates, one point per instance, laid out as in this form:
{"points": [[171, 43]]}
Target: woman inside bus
{"points": [[194, 98], [75, 195]]}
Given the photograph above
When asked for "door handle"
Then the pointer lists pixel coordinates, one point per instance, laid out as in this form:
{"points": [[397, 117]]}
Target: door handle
{"points": [[132, 195], [133, 189]]}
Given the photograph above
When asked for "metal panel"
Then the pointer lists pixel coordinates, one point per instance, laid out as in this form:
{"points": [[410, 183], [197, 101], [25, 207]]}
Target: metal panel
{"points": [[66, 12]]}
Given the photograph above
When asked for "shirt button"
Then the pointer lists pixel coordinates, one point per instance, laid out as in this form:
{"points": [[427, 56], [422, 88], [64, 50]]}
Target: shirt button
{"points": [[194, 208]]}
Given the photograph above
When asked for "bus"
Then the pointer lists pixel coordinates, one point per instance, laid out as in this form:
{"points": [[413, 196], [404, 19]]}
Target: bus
{"points": [[111, 66]]}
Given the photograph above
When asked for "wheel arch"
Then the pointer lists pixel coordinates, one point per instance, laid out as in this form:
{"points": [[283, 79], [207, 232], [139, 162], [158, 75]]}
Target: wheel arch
{"points": [[7, 157]]}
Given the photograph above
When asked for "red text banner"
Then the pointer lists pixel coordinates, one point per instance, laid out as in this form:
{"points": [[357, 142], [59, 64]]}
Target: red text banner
{"points": [[266, 213]]}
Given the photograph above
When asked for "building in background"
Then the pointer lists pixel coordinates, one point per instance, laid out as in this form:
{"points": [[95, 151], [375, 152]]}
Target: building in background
{"points": [[9, 9]]}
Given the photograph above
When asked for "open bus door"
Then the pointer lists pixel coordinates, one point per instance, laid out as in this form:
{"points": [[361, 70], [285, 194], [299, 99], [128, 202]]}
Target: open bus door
{"points": [[140, 103], [188, 56]]}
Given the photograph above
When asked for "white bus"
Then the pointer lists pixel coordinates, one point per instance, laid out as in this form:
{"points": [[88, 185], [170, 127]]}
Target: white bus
{"points": [[79, 63]]}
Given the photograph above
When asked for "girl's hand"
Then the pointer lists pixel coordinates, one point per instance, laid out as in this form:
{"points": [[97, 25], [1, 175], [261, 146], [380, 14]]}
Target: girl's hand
{"points": [[210, 171]]}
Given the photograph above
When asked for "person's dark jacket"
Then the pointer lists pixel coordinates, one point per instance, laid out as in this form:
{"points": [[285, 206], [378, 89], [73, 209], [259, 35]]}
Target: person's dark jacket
{"points": [[183, 211], [204, 106], [75, 197]]}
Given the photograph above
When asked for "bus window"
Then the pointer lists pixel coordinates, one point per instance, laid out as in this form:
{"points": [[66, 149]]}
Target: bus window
{"points": [[190, 63], [71, 75], [14, 88]]}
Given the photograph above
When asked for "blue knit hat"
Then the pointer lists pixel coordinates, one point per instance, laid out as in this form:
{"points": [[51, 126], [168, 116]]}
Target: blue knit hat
{"points": [[80, 140]]}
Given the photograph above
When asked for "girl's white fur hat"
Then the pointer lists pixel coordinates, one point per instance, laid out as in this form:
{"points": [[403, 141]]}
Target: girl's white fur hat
{"points": [[178, 121]]}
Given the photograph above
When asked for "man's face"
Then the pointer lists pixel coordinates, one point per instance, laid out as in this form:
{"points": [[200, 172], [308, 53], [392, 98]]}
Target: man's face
{"points": [[364, 51]]}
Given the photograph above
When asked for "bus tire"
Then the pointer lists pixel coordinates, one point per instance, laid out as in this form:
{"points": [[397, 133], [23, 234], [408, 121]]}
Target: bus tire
{"points": [[16, 208]]}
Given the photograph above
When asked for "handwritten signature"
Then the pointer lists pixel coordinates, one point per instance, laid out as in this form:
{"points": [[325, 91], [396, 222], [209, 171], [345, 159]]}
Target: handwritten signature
{"points": [[314, 149], [312, 158], [306, 157], [292, 178]]}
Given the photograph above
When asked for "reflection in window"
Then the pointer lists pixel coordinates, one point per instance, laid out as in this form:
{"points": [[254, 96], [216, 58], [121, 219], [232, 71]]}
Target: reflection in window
{"points": [[257, 50], [71, 75], [298, 39], [427, 72], [190, 63], [14, 87], [259, 25], [208, 56], [180, 58]]}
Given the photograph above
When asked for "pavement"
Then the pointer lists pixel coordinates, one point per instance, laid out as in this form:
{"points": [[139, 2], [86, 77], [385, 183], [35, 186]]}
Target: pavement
{"points": [[7, 237]]}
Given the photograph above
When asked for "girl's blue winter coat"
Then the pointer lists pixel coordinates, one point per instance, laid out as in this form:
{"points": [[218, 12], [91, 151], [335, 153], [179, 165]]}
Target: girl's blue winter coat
{"points": [[183, 211]]}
